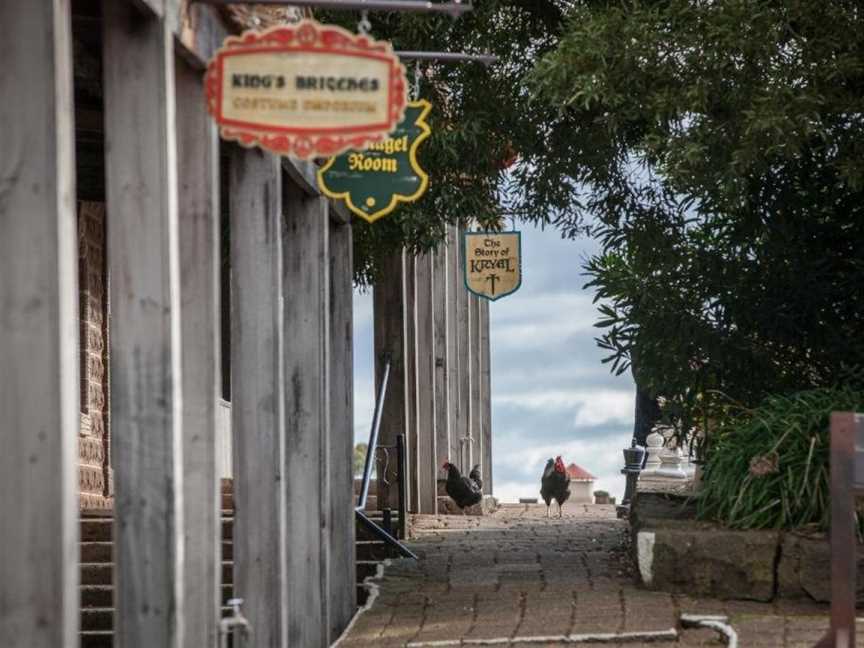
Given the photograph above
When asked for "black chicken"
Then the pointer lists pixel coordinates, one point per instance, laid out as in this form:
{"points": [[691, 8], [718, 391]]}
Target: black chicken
{"points": [[465, 491], [555, 484]]}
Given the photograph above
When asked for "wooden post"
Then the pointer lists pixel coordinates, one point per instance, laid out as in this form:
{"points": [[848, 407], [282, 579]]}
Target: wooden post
{"points": [[476, 441], [342, 593], [411, 385], [306, 301], [426, 469], [146, 404], [486, 395], [441, 313], [463, 359], [455, 279], [257, 384], [389, 341], [198, 209], [39, 391], [843, 538]]}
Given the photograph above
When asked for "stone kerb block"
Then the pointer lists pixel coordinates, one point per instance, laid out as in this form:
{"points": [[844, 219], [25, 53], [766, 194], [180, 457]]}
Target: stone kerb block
{"points": [[705, 560], [804, 569]]}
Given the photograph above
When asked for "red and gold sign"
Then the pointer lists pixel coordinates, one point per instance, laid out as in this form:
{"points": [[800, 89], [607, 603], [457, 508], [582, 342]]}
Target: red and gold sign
{"points": [[307, 90]]}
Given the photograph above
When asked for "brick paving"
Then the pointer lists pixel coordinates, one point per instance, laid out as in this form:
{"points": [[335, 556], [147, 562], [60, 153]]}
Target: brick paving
{"points": [[516, 575]]}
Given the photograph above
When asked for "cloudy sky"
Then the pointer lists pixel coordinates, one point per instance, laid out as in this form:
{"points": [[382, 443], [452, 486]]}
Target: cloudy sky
{"points": [[550, 393]]}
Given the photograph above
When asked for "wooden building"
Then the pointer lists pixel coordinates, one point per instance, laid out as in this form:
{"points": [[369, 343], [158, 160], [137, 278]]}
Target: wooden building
{"points": [[175, 310]]}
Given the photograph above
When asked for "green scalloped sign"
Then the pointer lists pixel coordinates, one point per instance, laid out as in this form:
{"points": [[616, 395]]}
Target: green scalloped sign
{"points": [[373, 182]]}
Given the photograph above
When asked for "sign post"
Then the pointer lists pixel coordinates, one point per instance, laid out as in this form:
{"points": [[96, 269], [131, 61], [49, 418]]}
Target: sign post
{"points": [[306, 90], [493, 263], [372, 183]]}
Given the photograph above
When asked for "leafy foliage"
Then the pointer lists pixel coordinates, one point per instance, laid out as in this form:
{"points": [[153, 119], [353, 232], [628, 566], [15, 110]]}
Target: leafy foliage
{"points": [[768, 467], [481, 116], [716, 148]]}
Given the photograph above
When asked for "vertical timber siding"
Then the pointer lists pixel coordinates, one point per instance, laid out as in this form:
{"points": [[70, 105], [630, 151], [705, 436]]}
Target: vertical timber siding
{"points": [[305, 291], [442, 289], [456, 286], [342, 593], [257, 413], [486, 395], [426, 459], [198, 212], [390, 333], [475, 396], [39, 392], [145, 380]]}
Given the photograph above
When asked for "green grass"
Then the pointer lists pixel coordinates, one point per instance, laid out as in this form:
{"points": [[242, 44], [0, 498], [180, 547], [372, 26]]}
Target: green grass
{"points": [[791, 428]]}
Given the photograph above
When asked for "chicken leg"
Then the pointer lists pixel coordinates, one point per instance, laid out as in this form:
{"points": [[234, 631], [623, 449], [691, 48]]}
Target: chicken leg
{"points": [[549, 511]]}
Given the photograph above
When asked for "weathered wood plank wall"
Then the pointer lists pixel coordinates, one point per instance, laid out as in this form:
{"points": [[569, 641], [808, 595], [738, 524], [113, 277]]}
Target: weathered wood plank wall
{"points": [[146, 403], [486, 395], [457, 286], [446, 380], [475, 397], [198, 214], [39, 391], [341, 591], [464, 348], [425, 433], [411, 396], [257, 406], [306, 288], [441, 307], [390, 344]]}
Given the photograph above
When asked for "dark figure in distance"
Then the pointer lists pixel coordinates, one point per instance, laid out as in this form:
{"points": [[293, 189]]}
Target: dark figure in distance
{"points": [[465, 491], [555, 484]]}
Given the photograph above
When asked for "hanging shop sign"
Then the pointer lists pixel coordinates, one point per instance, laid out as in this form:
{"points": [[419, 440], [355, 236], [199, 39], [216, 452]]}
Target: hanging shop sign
{"points": [[373, 182], [493, 263], [306, 90]]}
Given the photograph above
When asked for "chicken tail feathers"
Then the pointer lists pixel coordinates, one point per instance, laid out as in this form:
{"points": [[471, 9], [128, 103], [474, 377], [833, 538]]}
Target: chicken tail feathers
{"points": [[474, 476]]}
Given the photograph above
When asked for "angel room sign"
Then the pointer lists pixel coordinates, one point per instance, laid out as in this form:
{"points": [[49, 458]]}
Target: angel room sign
{"points": [[493, 263], [306, 90], [373, 182]]}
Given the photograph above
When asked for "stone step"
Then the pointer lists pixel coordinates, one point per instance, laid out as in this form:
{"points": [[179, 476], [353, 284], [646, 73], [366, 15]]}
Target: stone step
{"points": [[362, 596], [102, 596], [96, 596], [101, 573], [96, 552], [101, 618], [366, 568], [101, 529], [375, 550], [97, 639]]}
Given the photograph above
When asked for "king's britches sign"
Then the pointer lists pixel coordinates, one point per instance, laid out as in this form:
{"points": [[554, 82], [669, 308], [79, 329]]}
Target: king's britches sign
{"points": [[307, 90], [493, 263]]}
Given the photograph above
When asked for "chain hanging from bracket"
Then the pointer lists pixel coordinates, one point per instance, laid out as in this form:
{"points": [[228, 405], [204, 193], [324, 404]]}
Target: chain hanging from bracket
{"points": [[364, 26], [418, 74]]}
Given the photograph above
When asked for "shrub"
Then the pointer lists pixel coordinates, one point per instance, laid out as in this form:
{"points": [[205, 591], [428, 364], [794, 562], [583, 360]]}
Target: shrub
{"points": [[767, 468]]}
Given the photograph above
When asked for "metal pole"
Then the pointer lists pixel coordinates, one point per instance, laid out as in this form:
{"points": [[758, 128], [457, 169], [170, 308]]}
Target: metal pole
{"points": [[373, 436], [455, 9], [447, 57]]}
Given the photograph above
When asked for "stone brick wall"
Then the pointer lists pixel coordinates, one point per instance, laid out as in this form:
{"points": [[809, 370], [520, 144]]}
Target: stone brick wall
{"points": [[94, 438]]}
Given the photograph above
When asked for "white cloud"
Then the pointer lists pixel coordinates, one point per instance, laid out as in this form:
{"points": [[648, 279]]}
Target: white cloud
{"points": [[592, 407]]}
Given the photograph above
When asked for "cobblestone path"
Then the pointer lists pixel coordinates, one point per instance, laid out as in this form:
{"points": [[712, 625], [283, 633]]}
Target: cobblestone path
{"points": [[516, 575]]}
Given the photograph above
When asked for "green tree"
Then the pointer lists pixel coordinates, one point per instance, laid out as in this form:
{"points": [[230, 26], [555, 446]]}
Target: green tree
{"points": [[716, 148], [359, 458]]}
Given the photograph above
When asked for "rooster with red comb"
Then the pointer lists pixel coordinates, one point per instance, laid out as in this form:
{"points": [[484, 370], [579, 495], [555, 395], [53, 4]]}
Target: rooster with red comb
{"points": [[555, 485]]}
